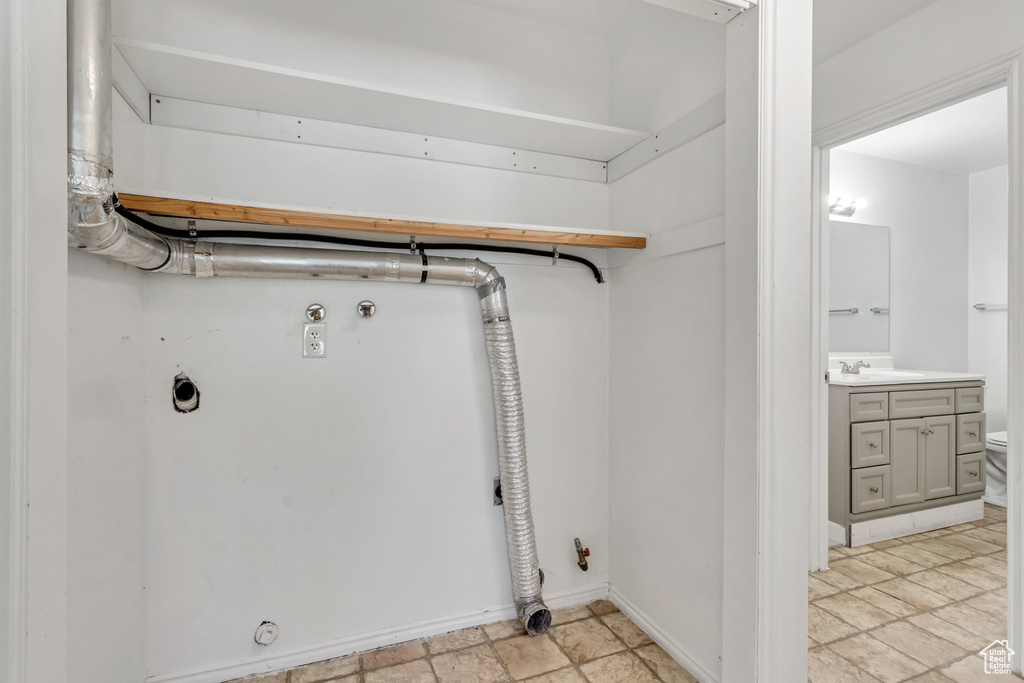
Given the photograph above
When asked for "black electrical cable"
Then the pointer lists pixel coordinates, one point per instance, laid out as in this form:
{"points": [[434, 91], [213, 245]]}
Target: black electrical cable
{"points": [[349, 241]]}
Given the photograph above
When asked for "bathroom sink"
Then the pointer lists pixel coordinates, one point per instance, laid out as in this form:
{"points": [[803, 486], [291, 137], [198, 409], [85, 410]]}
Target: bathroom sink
{"points": [[873, 375], [886, 372]]}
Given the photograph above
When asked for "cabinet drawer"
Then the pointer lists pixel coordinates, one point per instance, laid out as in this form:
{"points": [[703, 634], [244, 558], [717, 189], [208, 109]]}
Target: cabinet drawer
{"points": [[870, 489], [970, 433], [970, 473], [970, 400], [923, 403], [869, 444], [867, 407]]}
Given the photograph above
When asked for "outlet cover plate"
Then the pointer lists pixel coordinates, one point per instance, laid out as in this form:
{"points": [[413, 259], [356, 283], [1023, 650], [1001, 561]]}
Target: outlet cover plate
{"points": [[313, 340]]}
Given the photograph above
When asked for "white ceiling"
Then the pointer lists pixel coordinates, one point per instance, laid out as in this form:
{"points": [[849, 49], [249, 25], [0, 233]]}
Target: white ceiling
{"points": [[840, 24], [965, 138]]}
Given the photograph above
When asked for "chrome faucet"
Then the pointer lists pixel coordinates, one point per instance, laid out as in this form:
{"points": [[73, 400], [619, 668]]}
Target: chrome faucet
{"points": [[855, 370]]}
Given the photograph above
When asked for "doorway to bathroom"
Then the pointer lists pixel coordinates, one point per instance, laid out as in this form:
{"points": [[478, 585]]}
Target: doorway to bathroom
{"points": [[917, 292], [923, 215]]}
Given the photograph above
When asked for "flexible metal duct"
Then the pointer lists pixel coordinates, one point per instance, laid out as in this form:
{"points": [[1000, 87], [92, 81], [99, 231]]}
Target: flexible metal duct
{"points": [[93, 225]]}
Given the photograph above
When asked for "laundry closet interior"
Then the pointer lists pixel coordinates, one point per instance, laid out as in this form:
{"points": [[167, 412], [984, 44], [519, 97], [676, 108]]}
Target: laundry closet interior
{"points": [[349, 497]]}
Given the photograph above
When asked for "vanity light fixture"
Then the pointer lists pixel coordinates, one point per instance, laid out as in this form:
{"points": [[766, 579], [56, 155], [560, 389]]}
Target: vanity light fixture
{"points": [[838, 206]]}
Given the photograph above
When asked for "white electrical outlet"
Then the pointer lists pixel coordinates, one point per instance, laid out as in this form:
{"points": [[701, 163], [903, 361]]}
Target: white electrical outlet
{"points": [[313, 340]]}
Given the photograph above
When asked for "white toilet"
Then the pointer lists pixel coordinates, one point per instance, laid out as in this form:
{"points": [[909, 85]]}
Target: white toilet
{"points": [[995, 468]]}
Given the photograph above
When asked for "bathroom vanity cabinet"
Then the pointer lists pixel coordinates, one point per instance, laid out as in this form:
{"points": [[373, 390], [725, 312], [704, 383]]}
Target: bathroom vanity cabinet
{"points": [[900, 448]]}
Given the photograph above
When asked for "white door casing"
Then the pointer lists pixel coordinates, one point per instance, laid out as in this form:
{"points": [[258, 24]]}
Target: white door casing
{"points": [[33, 451], [768, 386]]}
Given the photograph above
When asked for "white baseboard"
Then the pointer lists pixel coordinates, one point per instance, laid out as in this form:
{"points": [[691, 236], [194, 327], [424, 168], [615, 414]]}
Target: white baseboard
{"points": [[994, 499], [872, 531], [679, 652], [368, 641], [836, 535]]}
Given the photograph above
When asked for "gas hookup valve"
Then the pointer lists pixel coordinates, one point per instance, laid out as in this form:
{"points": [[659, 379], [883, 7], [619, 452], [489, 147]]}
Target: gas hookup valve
{"points": [[583, 554]]}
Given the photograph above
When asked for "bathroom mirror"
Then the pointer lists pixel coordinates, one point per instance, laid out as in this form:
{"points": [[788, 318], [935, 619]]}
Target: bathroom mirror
{"points": [[858, 287]]}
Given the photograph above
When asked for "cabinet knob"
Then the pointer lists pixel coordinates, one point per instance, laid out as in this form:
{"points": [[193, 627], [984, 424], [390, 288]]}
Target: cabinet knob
{"points": [[973, 433], [872, 444], [973, 473], [873, 489]]}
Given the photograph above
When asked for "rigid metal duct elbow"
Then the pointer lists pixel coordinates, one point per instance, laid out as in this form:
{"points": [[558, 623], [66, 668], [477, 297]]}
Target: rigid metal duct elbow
{"points": [[94, 226]]}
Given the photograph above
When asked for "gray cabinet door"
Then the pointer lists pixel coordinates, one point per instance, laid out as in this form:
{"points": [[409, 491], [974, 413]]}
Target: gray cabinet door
{"points": [[940, 457], [907, 461]]}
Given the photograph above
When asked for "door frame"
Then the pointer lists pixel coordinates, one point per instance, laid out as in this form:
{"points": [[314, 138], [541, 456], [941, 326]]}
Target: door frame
{"points": [[33, 282], [1005, 72]]}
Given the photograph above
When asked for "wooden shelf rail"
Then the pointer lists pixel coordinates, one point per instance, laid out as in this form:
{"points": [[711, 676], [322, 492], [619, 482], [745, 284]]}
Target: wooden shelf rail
{"points": [[181, 208]]}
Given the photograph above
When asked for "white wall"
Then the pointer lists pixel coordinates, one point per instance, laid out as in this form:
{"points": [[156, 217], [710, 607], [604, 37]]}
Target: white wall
{"points": [[663, 64], [666, 406], [209, 164], [926, 211], [667, 343], [345, 496], [106, 460], [915, 53], [987, 332], [443, 49]]}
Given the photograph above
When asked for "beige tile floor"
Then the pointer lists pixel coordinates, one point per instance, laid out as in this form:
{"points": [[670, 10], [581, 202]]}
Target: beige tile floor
{"points": [[594, 643], [917, 608]]}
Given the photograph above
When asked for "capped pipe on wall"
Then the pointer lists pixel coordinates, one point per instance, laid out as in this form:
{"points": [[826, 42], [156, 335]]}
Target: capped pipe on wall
{"points": [[95, 226], [184, 394]]}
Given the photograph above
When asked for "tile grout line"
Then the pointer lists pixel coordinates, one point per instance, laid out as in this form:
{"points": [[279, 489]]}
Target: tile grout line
{"points": [[907, 619], [504, 667], [430, 662], [489, 641], [643, 662], [986, 522]]}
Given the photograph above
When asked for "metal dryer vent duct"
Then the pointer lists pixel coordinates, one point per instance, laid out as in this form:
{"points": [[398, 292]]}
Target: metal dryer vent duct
{"points": [[93, 225]]}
